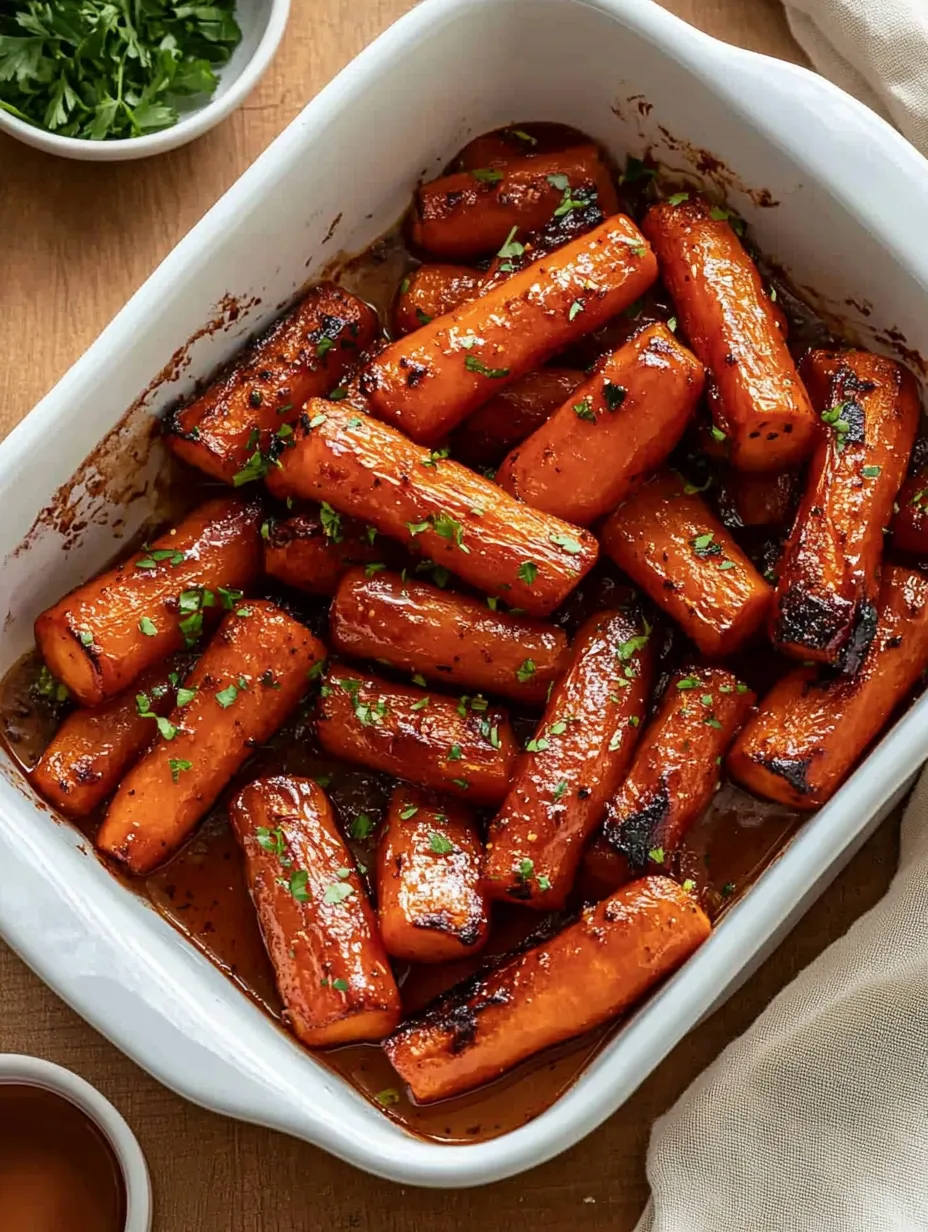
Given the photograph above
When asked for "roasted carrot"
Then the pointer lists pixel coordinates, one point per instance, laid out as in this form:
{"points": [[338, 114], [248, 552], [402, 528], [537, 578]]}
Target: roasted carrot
{"points": [[446, 637], [429, 381], [755, 392], [430, 291], [590, 972], [99, 638], [813, 725], [910, 525], [502, 145], [611, 433], [485, 437], [829, 574], [247, 682], [469, 214], [572, 765], [676, 768], [240, 424], [670, 543], [750, 499], [313, 551], [436, 507], [429, 902], [465, 748], [95, 745], [332, 972]]}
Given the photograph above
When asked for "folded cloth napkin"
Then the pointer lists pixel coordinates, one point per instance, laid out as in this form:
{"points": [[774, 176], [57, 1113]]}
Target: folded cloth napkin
{"points": [[816, 1119], [876, 49]]}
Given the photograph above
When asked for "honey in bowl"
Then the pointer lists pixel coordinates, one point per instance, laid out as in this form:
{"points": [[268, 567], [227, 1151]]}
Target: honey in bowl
{"points": [[58, 1173]]}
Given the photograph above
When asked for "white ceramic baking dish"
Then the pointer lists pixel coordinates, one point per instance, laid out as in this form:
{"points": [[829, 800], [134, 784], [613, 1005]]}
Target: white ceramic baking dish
{"points": [[853, 199]]}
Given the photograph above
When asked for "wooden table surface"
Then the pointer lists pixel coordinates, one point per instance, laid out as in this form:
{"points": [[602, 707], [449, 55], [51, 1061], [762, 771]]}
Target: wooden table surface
{"points": [[77, 240]]}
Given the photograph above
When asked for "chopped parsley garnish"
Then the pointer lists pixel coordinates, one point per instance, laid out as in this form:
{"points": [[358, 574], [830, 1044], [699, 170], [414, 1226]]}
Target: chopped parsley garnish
{"points": [[147, 626], [834, 418], [153, 558], [420, 704], [871, 472], [487, 175], [185, 696], [440, 844], [272, 841], [575, 309], [47, 686], [462, 783], [728, 889], [323, 347], [373, 568], [688, 682], [85, 637], [511, 248], [614, 395], [337, 892], [722, 215], [362, 826], [177, 765], [657, 855], [544, 882], [166, 728], [256, 467], [525, 870], [423, 318], [689, 885], [527, 572], [718, 434], [705, 545], [625, 650], [678, 198], [473, 364], [560, 790], [388, 1097], [225, 697], [404, 286], [636, 170], [567, 542], [525, 671], [583, 410], [331, 522], [672, 324], [455, 753], [408, 812]]}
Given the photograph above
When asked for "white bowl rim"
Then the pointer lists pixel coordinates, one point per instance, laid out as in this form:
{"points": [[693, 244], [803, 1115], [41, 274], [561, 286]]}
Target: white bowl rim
{"points": [[18, 1068], [187, 129]]}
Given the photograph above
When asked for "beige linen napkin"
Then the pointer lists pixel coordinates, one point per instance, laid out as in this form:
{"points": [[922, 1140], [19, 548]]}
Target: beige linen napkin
{"points": [[816, 1119], [876, 49]]}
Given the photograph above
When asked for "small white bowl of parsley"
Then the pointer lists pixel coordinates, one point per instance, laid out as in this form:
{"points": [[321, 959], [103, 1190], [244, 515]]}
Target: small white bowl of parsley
{"points": [[109, 80]]}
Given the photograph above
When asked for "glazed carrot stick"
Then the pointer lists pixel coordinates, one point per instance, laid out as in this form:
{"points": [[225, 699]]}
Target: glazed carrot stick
{"points": [[313, 550], [759, 500], [95, 745], [829, 574], [591, 972], [910, 525], [573, 764], [429, 903], [99, 638], [813, 726], [240, 424], [667, 540], [484, 438], [469, 214], [435, 507], [465, 748], [755, 392], [611, 433], [502, 145], [246, 684], [677, 766], [449, 638], [429, 381], [329, 962], [430, 291]]}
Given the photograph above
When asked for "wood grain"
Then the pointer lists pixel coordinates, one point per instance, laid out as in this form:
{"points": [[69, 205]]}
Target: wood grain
{"points": [[78, 239]]}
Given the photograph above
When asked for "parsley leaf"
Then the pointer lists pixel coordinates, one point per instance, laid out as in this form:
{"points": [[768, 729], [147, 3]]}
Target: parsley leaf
{"points": [[441, 845], [473, 364]]}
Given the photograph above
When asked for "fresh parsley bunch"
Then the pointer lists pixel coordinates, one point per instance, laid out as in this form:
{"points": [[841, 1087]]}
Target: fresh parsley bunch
{"points": [[107, 69]]}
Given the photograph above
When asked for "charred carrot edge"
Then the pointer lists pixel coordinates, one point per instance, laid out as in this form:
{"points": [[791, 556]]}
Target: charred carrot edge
{"points": [[236, 429], [313, 550], [677, 766], [469, 214], [756, 395], [749, 499], [447, 637], [611, 433], [484, 438], [99, 638], [429, 381], [591, 972], [329, 962], [94, 746], [430, 291], [825, 605], [429, 903], [435, 507], [813, 726], [465, 748], [572, 765], [246, 684], [669, 542], [910, 525]]}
